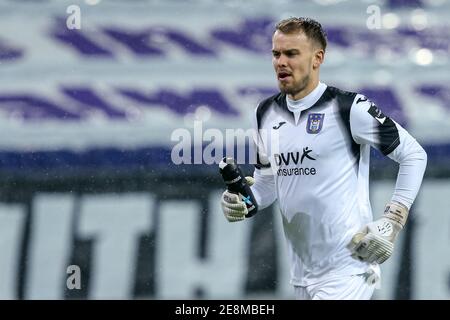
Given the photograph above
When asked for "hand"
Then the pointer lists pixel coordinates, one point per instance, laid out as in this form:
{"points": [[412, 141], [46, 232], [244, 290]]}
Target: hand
{"points": [[375, 242], [233, 206]]}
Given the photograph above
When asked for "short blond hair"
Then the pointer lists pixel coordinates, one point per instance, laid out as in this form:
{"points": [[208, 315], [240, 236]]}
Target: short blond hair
{"points": [[312, 29]]}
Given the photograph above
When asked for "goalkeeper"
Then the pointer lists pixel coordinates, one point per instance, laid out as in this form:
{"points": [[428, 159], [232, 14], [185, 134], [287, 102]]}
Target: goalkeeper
{"points": [[313, 149]]}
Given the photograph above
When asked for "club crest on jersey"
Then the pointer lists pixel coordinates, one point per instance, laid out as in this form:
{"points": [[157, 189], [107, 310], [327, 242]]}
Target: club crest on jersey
{"points": [[315, 122]]}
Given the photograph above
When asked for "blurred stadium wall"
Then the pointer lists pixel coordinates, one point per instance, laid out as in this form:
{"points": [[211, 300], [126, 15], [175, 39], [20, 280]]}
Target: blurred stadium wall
{"points": [[86, 123]]}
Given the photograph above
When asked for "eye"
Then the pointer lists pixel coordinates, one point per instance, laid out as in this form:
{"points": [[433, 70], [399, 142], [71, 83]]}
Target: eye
{"points": [[276, 54], [291, 54]]}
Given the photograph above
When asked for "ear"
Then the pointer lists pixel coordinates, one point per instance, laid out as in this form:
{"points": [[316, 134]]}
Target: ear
{"points": [[318, 58]]}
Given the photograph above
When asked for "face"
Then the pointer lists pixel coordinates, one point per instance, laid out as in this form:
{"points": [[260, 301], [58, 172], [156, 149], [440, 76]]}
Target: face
{"points": [[296, 61]]}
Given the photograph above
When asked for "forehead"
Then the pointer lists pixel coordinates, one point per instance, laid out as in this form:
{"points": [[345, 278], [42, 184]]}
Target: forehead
{"points": [[282, 41]]}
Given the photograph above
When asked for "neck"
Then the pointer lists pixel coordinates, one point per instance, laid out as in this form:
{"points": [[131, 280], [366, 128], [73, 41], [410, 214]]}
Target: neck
{"points": [[305, 91]]}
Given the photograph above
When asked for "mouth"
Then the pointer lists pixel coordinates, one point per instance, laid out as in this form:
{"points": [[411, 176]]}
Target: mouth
{"points": [[283, 75]]}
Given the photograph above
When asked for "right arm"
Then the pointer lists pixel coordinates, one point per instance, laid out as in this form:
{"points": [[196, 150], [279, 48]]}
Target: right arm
{"points": [[262, 184], [264, 187]]}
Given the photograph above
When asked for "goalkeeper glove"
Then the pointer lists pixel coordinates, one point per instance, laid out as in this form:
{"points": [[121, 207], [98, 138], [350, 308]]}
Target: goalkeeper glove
{"points": [[233, 206], [375, 242]]}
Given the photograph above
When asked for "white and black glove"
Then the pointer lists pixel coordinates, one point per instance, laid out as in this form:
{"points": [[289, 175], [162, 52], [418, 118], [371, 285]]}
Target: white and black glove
{"points": [[375, 242], [233, 206]]}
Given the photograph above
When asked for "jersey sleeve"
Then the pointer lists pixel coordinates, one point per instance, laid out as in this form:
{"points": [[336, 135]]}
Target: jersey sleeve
{"points": [[413, 161], [370, 126], [262, 160], [264, 188]]}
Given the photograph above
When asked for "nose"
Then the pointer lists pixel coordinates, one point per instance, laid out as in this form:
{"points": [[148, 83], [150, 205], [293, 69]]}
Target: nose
{"points": [[281, 61]]}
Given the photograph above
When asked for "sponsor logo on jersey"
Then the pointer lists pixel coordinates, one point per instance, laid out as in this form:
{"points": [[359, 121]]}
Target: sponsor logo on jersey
{"points": [[306, 152], [315, 122], [376, 113], [294, 158]]}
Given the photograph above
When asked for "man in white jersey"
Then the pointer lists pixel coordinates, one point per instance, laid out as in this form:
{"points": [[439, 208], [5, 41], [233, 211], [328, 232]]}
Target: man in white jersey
{"points": [[319, 171]]}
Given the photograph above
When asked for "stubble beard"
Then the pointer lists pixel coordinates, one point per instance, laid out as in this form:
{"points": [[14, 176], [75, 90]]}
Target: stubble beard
{"points": [[296, 88]]}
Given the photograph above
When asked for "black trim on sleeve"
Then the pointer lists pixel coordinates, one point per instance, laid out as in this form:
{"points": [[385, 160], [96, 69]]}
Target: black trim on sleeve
{"points": [[259, 164], [387, 131], [389, 137]]}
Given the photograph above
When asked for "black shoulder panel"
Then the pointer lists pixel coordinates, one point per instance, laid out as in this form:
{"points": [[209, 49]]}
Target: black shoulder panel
{"points": [[264, 106], [344, 101]]}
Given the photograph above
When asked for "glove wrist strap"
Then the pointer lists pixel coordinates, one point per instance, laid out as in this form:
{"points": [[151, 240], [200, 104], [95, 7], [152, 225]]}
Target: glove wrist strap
{"points": [[396, 212]]}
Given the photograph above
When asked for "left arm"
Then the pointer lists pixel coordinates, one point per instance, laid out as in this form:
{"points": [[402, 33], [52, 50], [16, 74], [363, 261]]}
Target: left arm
{"points": [[412, 160], [375, 242]]}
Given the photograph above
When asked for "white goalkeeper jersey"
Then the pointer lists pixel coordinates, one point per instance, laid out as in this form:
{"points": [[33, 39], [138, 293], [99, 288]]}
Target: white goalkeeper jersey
{"points": [[313, 156]]}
